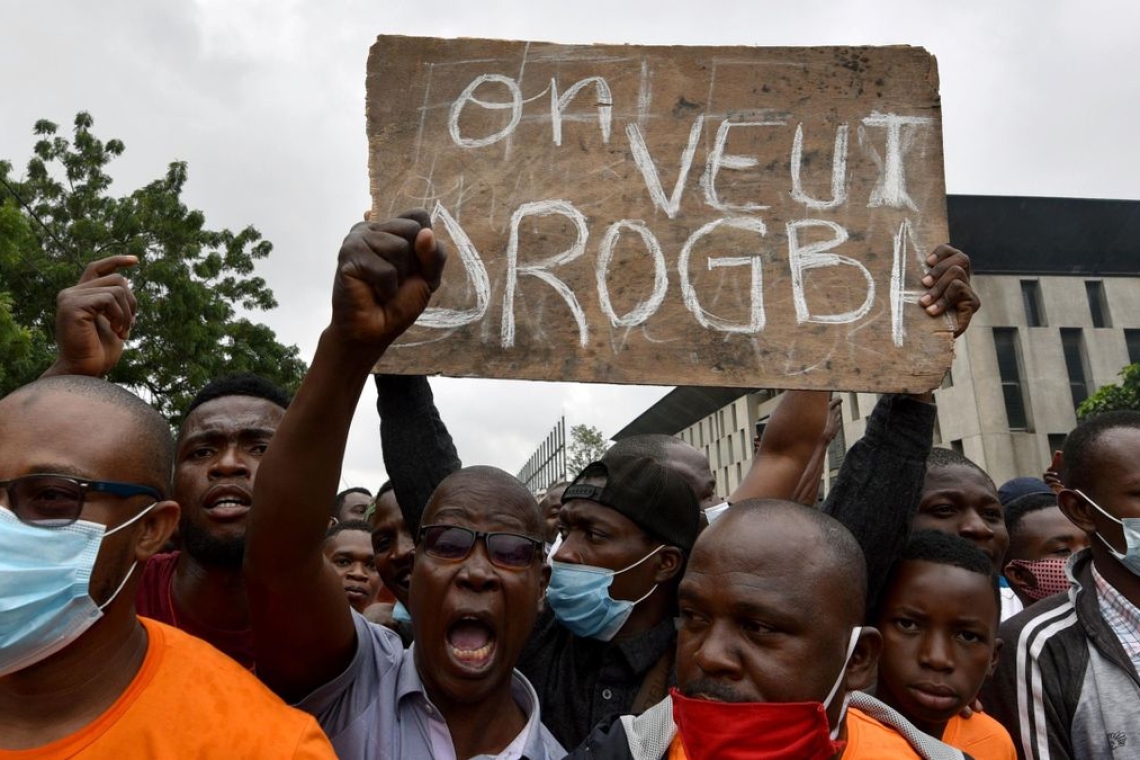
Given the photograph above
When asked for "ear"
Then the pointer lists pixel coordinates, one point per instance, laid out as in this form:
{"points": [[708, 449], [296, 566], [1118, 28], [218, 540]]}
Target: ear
{"points": [[1077, 509], [863, 667], [155, 528], [670, 562], [994, 659], [1020, 579]]}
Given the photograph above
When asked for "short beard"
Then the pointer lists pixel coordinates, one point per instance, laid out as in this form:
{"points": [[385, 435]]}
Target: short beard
{"points": [[222, 553]]}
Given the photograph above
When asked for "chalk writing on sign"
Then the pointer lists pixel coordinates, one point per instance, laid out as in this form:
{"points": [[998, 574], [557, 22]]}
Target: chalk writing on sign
{"points": [[719, 216]]}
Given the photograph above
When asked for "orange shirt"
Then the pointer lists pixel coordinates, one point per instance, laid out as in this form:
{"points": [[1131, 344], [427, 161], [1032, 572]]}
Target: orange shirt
{"points": [[189, 700], [979, 736], [868, 739]]}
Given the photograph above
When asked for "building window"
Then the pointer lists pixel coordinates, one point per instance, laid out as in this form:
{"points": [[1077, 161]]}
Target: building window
{"points": [[1098, 305], [1132, 339], [1009, 369], [956, 445], [853, 404], [1031, 298], [734, 425], [948, 379], [1073, 344], [937, 430]]}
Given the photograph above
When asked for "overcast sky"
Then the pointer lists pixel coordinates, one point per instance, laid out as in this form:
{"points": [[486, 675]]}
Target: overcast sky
{"points": [[265, 100]]}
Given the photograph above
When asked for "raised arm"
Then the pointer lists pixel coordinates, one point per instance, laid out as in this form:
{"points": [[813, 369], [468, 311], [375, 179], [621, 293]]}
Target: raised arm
{"points": [[93, 319], [786, 448], [418, 450], [880, 483], [303, 630]]}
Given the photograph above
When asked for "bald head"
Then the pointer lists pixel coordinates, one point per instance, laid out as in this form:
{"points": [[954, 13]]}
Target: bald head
{"points": [[151, 444], [490, 487], [807, 548]]}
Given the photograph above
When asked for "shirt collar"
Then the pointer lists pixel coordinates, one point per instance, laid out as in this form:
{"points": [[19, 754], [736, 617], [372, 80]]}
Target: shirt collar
{"points": [[409, 683]]}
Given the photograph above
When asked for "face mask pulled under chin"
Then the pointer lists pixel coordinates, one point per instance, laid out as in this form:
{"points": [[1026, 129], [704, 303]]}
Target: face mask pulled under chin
{"points": [[761, 730], [1130, 558], [45, 576]]}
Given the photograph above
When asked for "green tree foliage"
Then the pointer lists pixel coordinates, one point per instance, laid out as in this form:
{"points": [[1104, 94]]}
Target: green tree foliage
{"points": [[587, 444], [1113, 398], [189, 280]]}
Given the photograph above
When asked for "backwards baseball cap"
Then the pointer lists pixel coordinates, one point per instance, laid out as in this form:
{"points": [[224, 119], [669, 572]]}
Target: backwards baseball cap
{"points": [[653, 496], [1018, 487]]}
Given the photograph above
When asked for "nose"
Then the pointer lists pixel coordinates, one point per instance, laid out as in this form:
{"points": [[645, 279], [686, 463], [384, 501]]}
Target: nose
{"points": [[405, 548], [936, 653], [569, 551], [975, 528], [229, 462], [477, 572], [716, 654], [357, 571]]}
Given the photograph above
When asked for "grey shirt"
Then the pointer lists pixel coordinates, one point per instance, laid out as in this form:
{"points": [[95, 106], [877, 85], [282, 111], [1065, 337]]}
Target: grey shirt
{"points": [[378, 708]]}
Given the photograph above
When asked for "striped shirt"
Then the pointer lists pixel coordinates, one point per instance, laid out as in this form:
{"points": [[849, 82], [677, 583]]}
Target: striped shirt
{"points": [[1121, 615]]}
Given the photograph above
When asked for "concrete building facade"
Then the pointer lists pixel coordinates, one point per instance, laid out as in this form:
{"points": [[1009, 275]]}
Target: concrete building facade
{"points": [[1059, 281]]}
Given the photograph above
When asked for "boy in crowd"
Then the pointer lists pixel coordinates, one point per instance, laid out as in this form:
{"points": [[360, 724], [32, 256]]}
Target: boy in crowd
{"points": [[84, 477], [348, 548], [477, 582], [351, 504], [1041, 540], [770, 649], [1068, 685], [939, 622]]}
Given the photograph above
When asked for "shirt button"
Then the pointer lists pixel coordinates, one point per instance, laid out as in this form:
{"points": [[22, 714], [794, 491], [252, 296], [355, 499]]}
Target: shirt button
{"points": [[607, 694]]}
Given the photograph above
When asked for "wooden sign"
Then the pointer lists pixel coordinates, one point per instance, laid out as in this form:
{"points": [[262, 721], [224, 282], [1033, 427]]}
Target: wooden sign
{"points": [[729, 216]]}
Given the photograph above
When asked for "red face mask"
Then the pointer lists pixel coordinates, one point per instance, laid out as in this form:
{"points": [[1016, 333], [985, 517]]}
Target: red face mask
{"points": [[753, 730], [1049, 573]]}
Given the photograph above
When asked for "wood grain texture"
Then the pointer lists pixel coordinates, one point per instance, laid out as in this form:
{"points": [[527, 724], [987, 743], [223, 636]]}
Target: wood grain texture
{"points": [[729, 216]]}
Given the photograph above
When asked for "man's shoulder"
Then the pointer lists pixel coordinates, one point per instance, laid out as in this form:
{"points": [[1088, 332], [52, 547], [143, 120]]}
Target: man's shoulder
{"points": [[1041, 630], [212, 696]]}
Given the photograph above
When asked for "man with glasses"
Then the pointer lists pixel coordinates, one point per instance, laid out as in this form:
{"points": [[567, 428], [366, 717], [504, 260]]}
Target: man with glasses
{"points": [[477, 581], [84, 472], [1066, 684]]}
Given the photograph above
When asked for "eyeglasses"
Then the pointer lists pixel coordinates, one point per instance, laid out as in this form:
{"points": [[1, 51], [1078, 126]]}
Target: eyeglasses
{"points": [[55, 501], [452, 543]]}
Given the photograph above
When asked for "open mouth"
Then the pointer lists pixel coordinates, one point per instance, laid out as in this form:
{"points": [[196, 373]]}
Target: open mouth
{"points": [[229, 503], [471, 644], [936, 697]]}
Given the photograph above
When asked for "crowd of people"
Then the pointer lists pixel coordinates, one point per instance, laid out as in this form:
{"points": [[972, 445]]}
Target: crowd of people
{"points": [[211, 594]]}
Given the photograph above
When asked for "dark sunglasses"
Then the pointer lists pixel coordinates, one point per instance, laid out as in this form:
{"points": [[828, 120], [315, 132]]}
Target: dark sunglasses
{"points": [[452, 543], [54, 501]]}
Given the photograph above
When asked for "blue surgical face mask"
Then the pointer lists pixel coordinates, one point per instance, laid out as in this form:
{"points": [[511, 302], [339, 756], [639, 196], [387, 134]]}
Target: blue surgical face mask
{"points": [[1131, 525], [580, 598], [45, 576], [400, 613]]}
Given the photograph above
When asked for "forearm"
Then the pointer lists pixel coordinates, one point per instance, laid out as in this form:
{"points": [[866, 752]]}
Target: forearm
{"points": [[786, 447], [418, 450], [298, 477], [880, 483]]}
